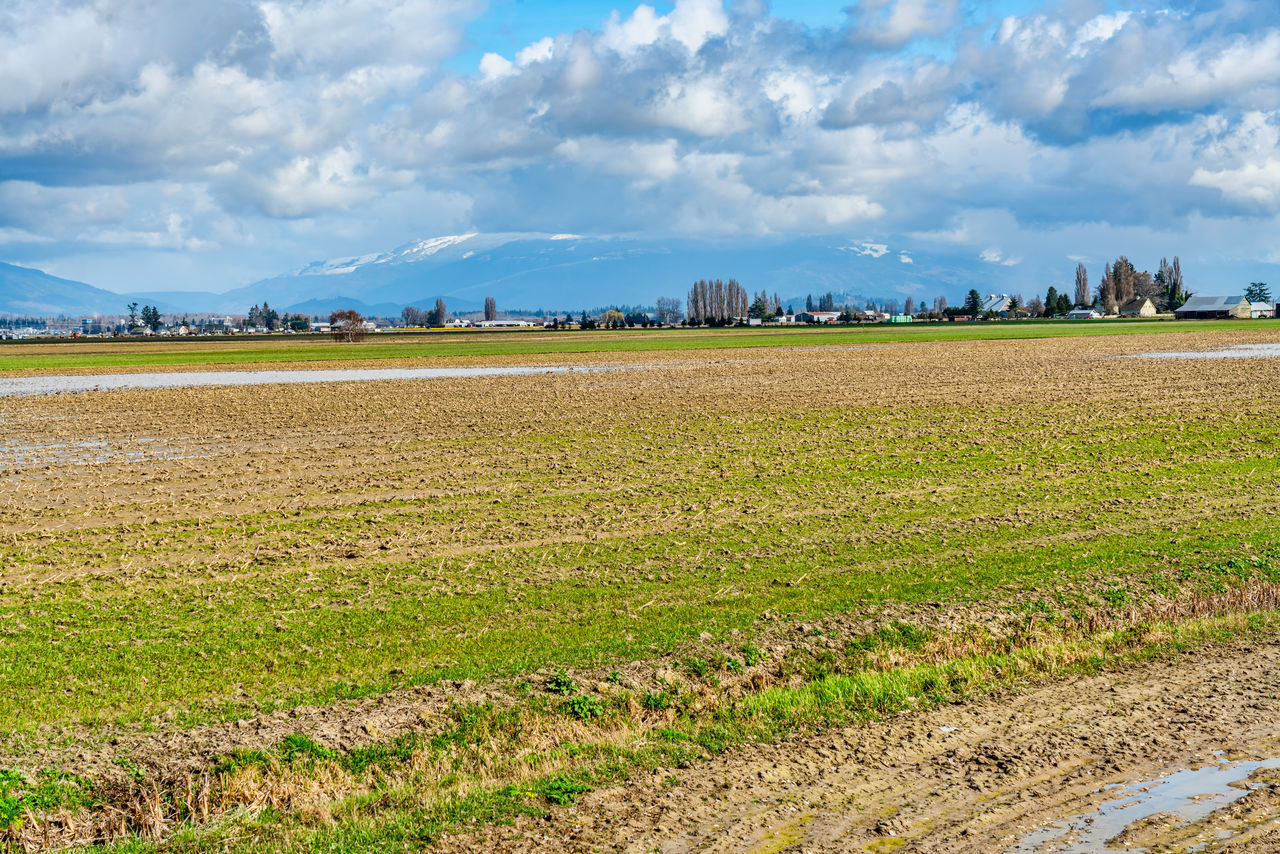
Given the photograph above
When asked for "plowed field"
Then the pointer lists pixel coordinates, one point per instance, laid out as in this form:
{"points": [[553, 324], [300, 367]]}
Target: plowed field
{"points": [[372, 615]]}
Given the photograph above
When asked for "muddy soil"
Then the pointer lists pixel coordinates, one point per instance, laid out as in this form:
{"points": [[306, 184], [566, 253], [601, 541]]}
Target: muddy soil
{"points": [[974, 778]]}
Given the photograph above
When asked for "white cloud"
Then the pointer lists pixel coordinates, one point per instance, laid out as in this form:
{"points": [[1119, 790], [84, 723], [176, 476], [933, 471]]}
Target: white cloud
{"points": [[996, 256], [691, 23], [875, 250], [1254, 182], [893, 23], [299, 123], [1198, 76]]}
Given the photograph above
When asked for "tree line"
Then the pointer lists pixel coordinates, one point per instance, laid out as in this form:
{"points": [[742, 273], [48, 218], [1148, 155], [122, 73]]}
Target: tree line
{"points": [[716, 302]]}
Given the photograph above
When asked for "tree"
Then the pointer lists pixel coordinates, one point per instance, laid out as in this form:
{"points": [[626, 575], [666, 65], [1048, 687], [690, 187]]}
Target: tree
{"points": [[910, 307], [1036, 307], [133, 314], [1124, 276], [973, 303], [490, 308], [1083, 297], [264, 316], [297, 322], [760, 308], [940, 306], [436, 316], [1050, 300], [1015, 303], [808, 304], [1107, 290], [151, 317], [347, 325], [1257, 292], [413, 316], [1177, 294], [613, 319], [669, 311]]}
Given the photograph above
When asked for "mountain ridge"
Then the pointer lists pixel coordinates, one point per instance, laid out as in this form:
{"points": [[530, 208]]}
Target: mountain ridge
{"points": [[553, 272]]}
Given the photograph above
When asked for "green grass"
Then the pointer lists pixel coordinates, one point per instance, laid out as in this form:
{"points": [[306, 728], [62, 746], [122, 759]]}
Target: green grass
{"points": [[96, 353], [406, 808]]}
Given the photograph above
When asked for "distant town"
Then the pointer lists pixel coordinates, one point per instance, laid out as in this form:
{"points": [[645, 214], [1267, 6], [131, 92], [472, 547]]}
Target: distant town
{"points": [[1122, 293]]}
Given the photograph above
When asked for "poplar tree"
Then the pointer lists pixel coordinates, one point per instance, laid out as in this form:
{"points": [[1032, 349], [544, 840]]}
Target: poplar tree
{"points": [[1083, 297]]}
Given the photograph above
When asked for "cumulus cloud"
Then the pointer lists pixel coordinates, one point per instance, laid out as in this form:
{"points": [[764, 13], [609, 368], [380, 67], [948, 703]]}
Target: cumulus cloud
{"points": [[203, 128], [997, 256], [893, 23]]}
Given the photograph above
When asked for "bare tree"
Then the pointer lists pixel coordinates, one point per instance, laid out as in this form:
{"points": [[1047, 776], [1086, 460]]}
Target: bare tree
{"points": [[1083, 296], [1124, 276], [910, 307], [940, 306], [1107, 290], [413, 316], [490, 308], [438, 314], [1036, 306], [347, 325], [668, 311]]}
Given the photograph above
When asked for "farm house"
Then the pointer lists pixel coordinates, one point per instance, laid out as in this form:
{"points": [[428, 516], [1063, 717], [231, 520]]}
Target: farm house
{"points": [[1140, 307]]}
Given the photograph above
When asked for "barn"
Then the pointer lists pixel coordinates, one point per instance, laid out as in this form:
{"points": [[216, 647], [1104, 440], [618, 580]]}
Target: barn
{"points": [[1207, 308]]}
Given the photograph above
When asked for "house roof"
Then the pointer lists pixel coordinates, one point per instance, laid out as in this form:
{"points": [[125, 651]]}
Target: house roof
{"points": [[1135, 304], [1222, 303], [996, 302]]}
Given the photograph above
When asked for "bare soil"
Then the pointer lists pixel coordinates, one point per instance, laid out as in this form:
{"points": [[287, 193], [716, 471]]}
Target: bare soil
{"points": [[976, 778]]}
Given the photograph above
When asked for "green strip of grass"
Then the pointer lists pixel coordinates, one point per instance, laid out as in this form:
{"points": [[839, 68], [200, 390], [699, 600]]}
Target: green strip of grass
{"points": [[408, 809], [203, 352]]}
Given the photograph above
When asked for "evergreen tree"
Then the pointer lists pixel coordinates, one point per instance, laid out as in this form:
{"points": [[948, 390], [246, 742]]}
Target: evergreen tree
{"points": [[1257, 292], [973, 302], [1051, 300]]}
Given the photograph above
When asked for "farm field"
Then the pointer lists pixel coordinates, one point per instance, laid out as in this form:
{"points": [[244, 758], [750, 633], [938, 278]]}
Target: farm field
{"points": [[457, 612], [187, 353]]}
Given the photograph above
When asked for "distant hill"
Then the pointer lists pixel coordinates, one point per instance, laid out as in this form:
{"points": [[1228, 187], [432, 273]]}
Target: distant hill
{"points": [[24, 291], [555, 273]]}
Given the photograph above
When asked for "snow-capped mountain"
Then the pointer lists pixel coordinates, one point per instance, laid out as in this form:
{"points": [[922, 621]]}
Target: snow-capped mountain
{"points": [[559, 272]]}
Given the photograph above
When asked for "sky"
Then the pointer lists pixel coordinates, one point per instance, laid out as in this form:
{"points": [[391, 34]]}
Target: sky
{"points": [[150, 145]]}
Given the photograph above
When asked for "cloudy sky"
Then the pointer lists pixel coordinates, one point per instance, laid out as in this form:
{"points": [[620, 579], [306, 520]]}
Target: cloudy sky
{"points": [[146, 144]]}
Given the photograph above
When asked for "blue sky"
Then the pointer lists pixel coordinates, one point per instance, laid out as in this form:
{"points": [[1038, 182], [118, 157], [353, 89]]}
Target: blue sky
{"points": [[153, 145]]}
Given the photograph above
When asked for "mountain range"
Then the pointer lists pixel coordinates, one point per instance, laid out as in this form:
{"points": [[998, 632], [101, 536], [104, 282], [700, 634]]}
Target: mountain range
{"points": [[558, 272]]}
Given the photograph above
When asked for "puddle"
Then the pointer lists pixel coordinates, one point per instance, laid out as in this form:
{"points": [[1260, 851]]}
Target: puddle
{"points": [[1238, 351], [18, 455], [16, 386], [1190, 795]]}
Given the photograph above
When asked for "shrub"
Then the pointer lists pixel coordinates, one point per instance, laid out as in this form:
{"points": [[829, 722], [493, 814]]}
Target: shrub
{"points": [[560, 683], [657, 701], [563, 791], [585, 707]]}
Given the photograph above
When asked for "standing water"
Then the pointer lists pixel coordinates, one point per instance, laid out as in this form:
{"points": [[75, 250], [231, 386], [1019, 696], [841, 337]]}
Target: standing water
{"points": [[1189, 795], [11, 386]]}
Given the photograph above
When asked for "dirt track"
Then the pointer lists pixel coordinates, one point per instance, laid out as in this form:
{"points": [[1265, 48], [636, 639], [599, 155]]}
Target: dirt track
{"points": [[973, 778]]}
